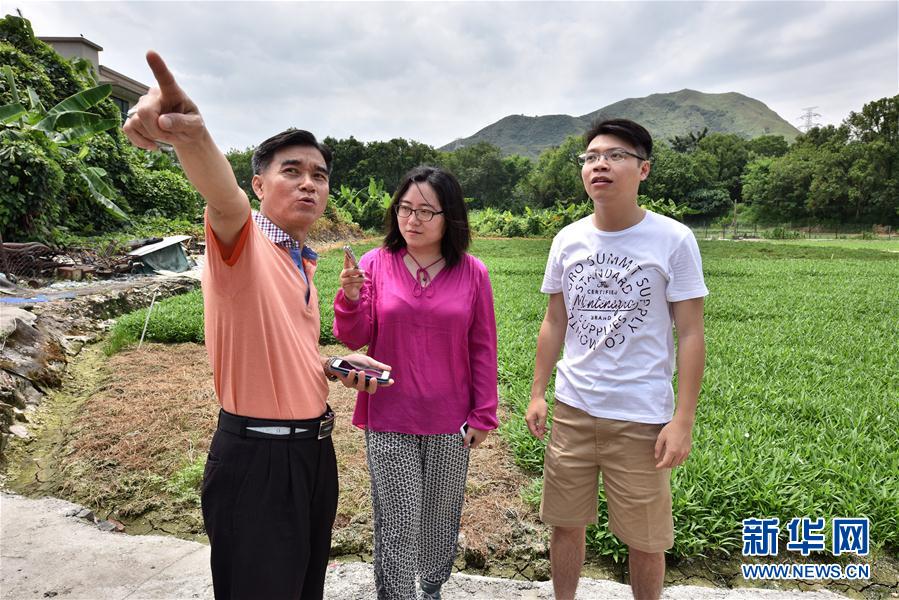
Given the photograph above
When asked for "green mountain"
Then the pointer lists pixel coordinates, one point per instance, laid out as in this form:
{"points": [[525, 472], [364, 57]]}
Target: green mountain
{"points": [[665, 115]]}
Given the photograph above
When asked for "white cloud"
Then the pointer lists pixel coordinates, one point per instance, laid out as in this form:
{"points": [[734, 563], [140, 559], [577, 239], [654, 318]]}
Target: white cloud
{"points": [[438, 71]]}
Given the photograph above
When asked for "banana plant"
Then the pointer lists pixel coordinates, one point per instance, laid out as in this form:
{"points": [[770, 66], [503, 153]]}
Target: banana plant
{"points": [[68, 125]]}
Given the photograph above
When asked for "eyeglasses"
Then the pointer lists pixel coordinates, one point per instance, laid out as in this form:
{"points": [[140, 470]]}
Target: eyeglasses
{"points": [[423, 214], [614, 155]]}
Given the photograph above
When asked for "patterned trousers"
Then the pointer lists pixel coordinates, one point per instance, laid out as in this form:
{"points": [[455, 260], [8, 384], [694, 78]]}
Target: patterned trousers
{"points": [[417, 491]]}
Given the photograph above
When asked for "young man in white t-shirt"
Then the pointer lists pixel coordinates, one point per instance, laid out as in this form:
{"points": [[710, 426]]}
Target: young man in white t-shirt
{"points": [[616, 281]]}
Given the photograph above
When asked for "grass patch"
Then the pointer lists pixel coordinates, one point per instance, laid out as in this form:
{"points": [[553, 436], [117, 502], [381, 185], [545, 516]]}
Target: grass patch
{"points": [[173, 320], [886, 245]]}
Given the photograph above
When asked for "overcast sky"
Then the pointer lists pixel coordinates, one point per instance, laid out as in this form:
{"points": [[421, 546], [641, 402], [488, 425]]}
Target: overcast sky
{"points": [[434, 72]]}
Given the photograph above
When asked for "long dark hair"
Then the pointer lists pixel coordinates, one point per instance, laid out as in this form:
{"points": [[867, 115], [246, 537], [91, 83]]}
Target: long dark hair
{"points": [[457, 235]]}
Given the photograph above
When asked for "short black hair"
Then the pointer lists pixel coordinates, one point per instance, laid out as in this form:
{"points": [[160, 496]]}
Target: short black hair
{"points": [[262, 156], [629, 131], [457, 235]]}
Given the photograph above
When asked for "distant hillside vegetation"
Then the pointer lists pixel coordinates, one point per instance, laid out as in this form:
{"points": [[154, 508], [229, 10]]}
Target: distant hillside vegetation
{"points": [[665, 115]]}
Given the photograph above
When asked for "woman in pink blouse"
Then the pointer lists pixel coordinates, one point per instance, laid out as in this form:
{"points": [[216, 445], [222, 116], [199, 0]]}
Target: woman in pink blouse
{"points": [[425, 306]]}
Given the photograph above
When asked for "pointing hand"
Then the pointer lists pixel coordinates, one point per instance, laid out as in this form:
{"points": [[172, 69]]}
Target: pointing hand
{"points": [[165, 114]]}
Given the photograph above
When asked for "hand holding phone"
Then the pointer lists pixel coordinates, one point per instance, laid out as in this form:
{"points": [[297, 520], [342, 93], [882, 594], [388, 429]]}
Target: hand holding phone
{"points": [[351, 277]]}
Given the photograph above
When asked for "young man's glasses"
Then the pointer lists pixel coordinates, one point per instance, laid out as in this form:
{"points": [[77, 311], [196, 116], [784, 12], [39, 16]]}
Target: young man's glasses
{"points": [[423, 214], [615, 155]]}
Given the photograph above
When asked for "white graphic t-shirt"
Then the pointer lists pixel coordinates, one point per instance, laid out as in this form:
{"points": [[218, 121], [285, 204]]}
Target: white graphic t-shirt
{"points": [[619, 344]]}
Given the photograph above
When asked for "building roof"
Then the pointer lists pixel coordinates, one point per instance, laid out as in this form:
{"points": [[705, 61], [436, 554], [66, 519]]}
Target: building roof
{"points": [[81, 39], [113, 76]]}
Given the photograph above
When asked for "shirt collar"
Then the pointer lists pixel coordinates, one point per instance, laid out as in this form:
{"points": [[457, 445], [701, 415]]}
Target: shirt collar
{"points": [[279, 237]]}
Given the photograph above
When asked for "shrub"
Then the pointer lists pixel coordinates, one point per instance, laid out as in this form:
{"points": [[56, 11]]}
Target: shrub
{"points": [[30, 183], [163, 192], [780, 233]]}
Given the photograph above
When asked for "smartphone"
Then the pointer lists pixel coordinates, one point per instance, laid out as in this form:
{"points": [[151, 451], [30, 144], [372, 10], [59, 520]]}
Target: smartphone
{"points": [[464, 429], [344, 367], [348, 252]]}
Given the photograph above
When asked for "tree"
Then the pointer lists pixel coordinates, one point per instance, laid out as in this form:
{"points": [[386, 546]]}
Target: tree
{"points": [[689, 142], [389, 161], [768, 145], [485, 176], [731, 155], [242, 165], [556, 178], [347, 154]]}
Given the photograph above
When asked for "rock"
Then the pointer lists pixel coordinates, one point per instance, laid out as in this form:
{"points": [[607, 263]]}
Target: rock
{"points": [[19, 431], [106, 526], [119, 526], [74, 343], [85, 513], [10, 318]]}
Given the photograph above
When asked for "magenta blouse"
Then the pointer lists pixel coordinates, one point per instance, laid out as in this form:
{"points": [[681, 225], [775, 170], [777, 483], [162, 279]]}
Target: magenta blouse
{"points": [[441, 345]]}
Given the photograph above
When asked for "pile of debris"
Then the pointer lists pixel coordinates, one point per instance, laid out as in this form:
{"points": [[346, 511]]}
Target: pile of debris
{"points": [[31, 262]]}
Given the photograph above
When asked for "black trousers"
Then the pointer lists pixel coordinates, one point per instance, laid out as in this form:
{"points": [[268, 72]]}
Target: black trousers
{"points": [[268, 508]]}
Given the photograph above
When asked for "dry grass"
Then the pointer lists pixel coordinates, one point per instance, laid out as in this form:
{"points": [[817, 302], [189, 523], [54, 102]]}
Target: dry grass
{"points": [[155, 413]]}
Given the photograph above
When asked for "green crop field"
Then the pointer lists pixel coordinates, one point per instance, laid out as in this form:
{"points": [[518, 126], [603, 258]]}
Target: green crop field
{"points": [[799, 409]]}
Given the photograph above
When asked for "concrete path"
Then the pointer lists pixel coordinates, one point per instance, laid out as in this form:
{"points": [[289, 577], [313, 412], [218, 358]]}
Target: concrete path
{"points": [[46, 554]]}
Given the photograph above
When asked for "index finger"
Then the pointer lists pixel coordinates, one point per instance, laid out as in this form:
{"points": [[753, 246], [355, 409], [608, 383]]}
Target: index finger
{"points": [[164, 77]]}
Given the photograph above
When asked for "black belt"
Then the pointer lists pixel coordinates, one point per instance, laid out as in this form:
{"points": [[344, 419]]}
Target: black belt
{"points": [[277, 429]]}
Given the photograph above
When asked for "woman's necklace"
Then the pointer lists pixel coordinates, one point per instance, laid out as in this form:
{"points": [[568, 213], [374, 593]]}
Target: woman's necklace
{"points": [[422, 277]]}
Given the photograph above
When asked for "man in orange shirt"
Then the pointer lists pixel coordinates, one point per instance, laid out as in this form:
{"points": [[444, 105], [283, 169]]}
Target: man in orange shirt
{"points": [[270, 485]]}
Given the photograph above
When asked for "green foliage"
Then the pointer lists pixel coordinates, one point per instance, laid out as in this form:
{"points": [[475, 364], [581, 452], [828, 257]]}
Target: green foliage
{"points": [[164, 193], [677, 175], [30, 180], [768, 145], [705, 201], [36, 65], [731, 154], [833, 174], [547, 222], [367, 208], [556, 178], [81, 138], [242, 165], [356, 163], [779, 233], [185, 483], [66, 128], [485, 176], [689, 142]]}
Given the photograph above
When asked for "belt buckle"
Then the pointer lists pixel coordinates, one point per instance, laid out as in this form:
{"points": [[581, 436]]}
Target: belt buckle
{"points": [[326, 426]]}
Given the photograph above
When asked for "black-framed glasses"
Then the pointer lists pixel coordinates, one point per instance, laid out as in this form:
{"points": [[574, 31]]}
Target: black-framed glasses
{"points": [[423, 214], [614, 155]]}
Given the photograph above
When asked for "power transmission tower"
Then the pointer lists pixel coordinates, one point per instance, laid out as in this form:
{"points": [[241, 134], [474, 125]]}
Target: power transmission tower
{"points": [[808, 118]]}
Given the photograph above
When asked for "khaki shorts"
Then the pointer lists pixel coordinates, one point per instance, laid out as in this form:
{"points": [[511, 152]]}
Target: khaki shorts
{"points": [[639, 495]]}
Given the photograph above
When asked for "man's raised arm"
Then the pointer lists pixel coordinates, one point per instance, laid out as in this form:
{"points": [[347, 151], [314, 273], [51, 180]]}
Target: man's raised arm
{"points": [[166, 114]]}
